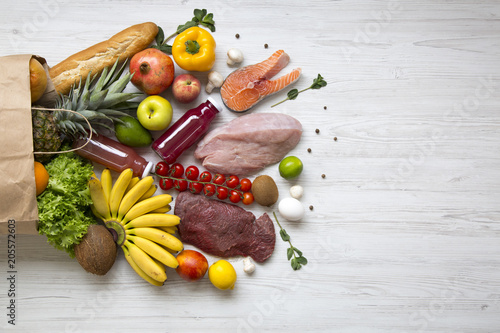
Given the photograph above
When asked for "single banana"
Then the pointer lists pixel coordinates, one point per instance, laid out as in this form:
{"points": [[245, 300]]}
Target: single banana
{"points": [[154, 250], [118, 191], [170, 230], [139, 270], [134, 194], [158, 236], [146, 206], [96, 214], [107, 183], [146, 263], [149, 193], [97, 195], [154, 220], [132, 183], [170, 250], [162, 210]]}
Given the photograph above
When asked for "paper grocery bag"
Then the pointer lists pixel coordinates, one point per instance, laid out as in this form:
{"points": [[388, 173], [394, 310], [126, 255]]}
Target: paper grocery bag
{"points": [[18, 206]]}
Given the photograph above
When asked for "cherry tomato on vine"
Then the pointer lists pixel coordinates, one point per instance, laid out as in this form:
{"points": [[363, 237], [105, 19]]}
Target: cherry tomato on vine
{"points": [[245, 185], [176, 170], [205, 177], [247, 198], [161, 168], [219, 179], [166, 184], [234, 196], [195, 187], [209, 190], [222, 193], [232, 181], [192, 172], [181, 185]]}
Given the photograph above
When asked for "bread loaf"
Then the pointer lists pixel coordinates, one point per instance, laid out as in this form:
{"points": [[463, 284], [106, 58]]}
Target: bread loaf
{"points": [[123, 45]]}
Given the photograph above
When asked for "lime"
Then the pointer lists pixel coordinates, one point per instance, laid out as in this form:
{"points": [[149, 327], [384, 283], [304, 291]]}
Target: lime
{"points": [[222, 274], [130, 132], [290, 167]]}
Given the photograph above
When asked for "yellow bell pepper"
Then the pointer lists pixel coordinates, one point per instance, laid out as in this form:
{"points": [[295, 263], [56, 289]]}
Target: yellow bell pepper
{"points": [[194, 50]]}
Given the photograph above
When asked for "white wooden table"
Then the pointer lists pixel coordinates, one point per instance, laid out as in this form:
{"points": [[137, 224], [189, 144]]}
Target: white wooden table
{"points": [[404, 235]]}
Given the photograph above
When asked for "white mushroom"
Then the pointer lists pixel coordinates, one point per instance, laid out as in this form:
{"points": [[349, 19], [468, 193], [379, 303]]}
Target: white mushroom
{"points": [[296, 191], [215, 80], [234, 56], [248, 265]]}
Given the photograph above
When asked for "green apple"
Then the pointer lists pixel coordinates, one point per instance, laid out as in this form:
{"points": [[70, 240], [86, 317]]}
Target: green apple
{"points": [[154, 113]]}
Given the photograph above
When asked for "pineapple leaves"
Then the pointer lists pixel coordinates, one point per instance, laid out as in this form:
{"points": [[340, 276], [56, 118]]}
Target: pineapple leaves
{"points": [[108, 80], [119, 85], [96, 99], [114, 113], [99, 99], [116, 98]]}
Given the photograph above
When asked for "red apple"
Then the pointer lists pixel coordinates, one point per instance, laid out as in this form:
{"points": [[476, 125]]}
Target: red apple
{"points": [[192, 265], [153, 71], [186, 88]]}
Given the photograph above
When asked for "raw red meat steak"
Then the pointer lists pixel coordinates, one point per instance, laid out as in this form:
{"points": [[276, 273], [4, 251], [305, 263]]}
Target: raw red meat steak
{"points": [[224, 229]]}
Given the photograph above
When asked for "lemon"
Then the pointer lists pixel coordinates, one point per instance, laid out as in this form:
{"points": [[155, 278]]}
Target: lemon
{"points": [[222, 274]]}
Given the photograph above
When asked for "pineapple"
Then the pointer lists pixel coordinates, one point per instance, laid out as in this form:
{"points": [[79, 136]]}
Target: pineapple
{"points": [[102, 104]]}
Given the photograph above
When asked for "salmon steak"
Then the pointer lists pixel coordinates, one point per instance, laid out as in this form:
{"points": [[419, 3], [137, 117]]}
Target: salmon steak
{"points": [[247, 86]]}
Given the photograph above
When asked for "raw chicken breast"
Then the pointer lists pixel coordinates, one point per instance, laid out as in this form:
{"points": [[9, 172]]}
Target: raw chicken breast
{"points": [[249, 143]]}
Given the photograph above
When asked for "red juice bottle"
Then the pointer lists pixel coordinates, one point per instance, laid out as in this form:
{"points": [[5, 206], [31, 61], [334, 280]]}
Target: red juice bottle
{"points": [[186, 131], [113, 155]]}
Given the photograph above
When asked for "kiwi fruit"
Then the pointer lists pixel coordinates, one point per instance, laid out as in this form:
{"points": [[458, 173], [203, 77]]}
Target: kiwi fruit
{"points": [[265, 191], [96, 252]]}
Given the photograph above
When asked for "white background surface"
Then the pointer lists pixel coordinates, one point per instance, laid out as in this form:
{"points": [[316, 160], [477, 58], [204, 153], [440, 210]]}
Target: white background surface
{"points": [[404, 234]]}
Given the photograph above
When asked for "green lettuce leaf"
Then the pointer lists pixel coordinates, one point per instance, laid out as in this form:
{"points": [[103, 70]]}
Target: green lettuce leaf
{"points": [[64, 207]]}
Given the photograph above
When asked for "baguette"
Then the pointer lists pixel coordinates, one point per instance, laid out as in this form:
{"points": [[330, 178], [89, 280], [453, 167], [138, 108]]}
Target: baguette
{"points": [[94, 59]]}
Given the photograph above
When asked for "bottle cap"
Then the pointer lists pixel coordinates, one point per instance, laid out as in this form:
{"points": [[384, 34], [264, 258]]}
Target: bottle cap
{"points": [[147, 169], [215, 103]]}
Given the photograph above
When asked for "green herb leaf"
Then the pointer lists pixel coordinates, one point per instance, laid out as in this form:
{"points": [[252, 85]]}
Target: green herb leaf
{"points": [[289, 253], [284, 236], [296, 262], [318, 82], [292, 94], [185, 26], [302, 260], [160, 36], [199, 14], [166, 48], [208, 21]]}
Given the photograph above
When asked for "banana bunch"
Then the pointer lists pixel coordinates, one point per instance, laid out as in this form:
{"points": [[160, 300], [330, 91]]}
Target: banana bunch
{"points": [[138, 221]]}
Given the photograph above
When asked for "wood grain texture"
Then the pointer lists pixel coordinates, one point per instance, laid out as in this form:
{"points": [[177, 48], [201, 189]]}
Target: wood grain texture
{"points": [[404, 235]]}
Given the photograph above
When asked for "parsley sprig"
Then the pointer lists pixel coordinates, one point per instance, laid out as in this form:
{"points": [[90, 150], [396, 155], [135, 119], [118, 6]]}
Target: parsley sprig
{"points": [[318, 83], [201, 17], [293, 253]]}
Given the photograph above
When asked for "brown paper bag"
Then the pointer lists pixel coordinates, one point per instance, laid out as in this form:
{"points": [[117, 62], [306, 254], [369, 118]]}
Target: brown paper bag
{"points": [[18, 204]]}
